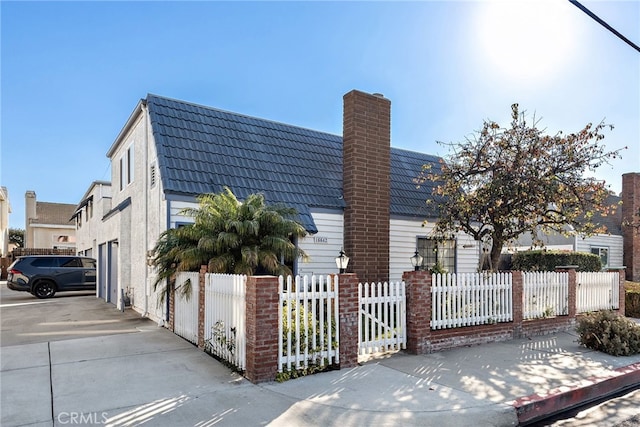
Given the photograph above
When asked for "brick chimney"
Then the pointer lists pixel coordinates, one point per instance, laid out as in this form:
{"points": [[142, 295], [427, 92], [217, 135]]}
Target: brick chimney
{"points": [[631, 235], [366, 167]]}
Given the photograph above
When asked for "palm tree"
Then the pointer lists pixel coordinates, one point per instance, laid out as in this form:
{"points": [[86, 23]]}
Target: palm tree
{"points": [[231, 237]]}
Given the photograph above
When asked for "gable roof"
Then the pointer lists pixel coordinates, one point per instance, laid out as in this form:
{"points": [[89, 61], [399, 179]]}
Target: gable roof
{"points": [[53, 213], [202, 149]]}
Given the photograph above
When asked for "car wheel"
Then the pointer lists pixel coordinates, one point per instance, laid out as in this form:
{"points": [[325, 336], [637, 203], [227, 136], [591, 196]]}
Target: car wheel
{"points": [[44, 290]]}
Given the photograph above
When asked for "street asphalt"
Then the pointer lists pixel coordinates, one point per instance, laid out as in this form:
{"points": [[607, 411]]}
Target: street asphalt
{"points": [[118, 369]]}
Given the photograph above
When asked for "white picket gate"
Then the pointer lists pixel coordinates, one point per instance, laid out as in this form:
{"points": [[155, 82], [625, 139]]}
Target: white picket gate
{"points": [[309, 327], [470, 299], [545, 294], [185, 320], [382, 321], [597, 291], [224, 317]]}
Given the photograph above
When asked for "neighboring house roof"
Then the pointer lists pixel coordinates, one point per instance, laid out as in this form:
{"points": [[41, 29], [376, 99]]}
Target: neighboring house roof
{"points": [[53, 213], [202, 149], [613, 221]]}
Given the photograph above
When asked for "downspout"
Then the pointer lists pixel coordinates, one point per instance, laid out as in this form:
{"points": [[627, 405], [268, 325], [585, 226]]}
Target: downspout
{"points": [[168, 287], [146, 207]]}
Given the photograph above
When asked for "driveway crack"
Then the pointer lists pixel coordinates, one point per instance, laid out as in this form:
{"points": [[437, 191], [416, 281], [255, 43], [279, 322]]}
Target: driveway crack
{"points": [[50, 381]]}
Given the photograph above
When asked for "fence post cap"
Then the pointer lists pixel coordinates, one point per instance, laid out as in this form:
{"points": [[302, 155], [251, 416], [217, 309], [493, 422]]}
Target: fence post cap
{"points": [[566, 267]]}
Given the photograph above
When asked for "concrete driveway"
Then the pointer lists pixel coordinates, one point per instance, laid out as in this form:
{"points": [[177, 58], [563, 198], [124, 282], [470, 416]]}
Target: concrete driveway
{"points": [[27, 319]]}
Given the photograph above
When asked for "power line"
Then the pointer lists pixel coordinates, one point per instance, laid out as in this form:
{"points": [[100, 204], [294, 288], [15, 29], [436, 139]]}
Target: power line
{"points": [[604, 24]]}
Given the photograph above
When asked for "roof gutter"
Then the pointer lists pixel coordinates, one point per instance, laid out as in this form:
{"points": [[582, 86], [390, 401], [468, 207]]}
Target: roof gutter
{"points": [[128, 125]]}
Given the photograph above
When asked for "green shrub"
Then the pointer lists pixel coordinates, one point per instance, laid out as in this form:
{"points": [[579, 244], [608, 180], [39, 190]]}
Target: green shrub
{"points": [[299, 316], [609, 333], [632, 303], [542, 260], [306, 334]]}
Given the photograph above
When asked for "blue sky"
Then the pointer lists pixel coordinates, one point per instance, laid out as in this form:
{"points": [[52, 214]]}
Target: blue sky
{"points": [[72, 72]]}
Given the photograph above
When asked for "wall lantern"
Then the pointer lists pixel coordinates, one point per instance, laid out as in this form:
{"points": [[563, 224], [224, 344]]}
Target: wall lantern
{"points": [[416, 261], [342, 261]]}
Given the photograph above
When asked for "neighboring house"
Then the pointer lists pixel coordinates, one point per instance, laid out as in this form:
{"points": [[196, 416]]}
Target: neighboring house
{"points": [[48, 225], [608, 245], [352, 191], [619, 245], [5, 210]]}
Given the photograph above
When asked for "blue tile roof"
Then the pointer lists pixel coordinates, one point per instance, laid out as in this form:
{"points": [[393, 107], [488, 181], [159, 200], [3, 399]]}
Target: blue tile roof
{"points": [[202, 149]]}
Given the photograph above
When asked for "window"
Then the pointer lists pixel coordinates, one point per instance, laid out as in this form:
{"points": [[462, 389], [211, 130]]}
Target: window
{"points": [[71, 262], [603, 253], [435, 251], [130, 165], [88, 263], [126, 168], [45, 262], [121, 173]]}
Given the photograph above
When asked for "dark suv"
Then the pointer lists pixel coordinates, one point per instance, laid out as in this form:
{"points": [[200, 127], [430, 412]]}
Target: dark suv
{"points": [[44, 275]]}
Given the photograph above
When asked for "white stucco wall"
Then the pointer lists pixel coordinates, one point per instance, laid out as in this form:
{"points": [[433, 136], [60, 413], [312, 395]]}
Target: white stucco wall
{"points": [[5, 210], [89, 231], [46, 236], [136, 226]]}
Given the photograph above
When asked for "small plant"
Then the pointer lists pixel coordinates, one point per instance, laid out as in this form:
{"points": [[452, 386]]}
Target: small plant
{"points": [[548, 312], [609, 333], [311, 369], [221, 346], [437, 268]]}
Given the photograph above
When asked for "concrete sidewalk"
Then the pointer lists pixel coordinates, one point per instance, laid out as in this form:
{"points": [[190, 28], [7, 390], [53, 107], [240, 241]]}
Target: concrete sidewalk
{"points": [[155, 378]]}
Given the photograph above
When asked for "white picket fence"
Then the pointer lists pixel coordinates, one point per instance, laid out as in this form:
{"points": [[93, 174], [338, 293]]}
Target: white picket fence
{"points": [[309, 328], [186, 307], [382, 321], [545, 294], [224, 317], [470, 299], [597, 291]]}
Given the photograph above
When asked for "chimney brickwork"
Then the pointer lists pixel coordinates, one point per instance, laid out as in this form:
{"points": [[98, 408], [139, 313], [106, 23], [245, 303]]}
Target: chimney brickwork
{"points": [[631, 235], [366, 183]]}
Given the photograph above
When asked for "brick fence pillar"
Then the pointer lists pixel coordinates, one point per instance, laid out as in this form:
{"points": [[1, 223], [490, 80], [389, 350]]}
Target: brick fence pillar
{"points": [[517, 289], [348, 312], [622, 295], [172, 307], [418, 290], [573, 289], [201, 292], [262, 299]]}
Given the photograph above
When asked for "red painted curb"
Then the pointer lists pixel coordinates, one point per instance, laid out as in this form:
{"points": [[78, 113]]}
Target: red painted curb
{"points": [[533, 407]]}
